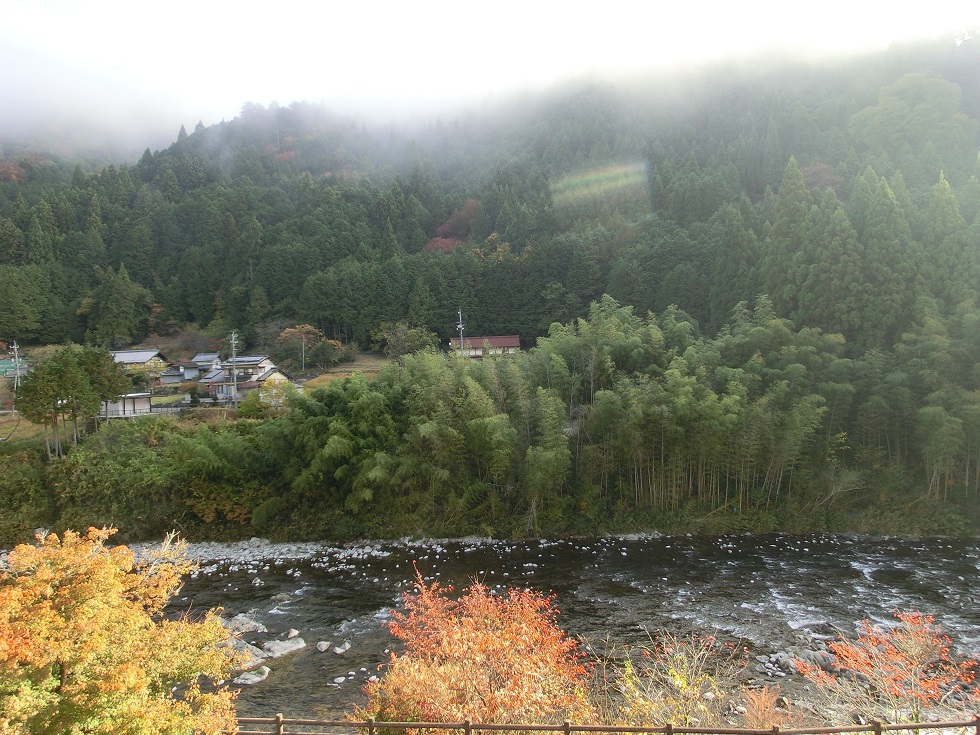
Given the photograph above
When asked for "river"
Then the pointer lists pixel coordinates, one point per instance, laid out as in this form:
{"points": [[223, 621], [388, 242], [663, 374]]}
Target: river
{"points": [[766, 592]]}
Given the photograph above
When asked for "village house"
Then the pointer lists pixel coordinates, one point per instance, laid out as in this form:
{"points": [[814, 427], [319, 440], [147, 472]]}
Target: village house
{"points": [[145, 367], [250, 372], [149, 360], [205, 362], [480, 347], [173, 375]]}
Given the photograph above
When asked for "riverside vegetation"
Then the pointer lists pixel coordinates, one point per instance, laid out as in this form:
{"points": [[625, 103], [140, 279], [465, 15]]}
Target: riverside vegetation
{"points": [[84, 647], [611, 422]]}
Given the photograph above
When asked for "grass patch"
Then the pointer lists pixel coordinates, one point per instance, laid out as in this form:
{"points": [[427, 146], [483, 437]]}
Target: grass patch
{"points": [[167, 400], [366, 363], [322, 381], [15, 426]]}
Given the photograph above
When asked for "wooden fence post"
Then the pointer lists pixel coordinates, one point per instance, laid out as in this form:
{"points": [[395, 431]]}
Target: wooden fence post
{"points": [[279, 724]]}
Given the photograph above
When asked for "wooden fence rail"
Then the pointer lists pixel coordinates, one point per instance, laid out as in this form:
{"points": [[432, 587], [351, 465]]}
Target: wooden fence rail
{"points": [[280, 725]]}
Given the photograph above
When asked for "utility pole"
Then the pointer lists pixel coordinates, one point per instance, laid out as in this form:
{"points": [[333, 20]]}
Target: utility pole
{"points": [[234, 370], [459, 326], [16, 373]]}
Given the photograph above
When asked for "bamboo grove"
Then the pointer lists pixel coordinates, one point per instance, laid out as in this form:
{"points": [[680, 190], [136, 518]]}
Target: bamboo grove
{"points": [[613, 421]]}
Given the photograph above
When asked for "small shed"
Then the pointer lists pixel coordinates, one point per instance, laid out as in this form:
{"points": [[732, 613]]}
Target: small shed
{"points": [[128, 406]]}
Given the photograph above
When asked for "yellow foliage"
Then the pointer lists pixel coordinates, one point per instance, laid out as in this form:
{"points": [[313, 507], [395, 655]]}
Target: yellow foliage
{"points": [[83, 647], [682, 681]]}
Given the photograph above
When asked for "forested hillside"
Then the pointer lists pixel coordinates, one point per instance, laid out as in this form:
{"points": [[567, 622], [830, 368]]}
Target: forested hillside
{"points": [[751, 288]]}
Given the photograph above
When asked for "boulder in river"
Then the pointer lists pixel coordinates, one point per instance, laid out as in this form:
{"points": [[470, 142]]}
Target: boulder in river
{"points": [[252, 677], [254, 656], [275, 649], [243, 623]]}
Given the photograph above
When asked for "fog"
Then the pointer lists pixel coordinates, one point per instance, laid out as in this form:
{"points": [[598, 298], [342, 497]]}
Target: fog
{"points": [[100, 73]]}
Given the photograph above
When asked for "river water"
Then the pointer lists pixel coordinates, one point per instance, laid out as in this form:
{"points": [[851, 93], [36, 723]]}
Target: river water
{"points": [[766, 592]]}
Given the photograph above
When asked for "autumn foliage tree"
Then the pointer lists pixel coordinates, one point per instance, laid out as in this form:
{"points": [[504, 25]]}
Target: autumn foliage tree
{"points": [[304, 345], [84, 647], [894, 674], [483, 657]]}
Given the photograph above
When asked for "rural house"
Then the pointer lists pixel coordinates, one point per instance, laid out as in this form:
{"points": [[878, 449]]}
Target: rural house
{"points": [[479, 347], [250, 371]]}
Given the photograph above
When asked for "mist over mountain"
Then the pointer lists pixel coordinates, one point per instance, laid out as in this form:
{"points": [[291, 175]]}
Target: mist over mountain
{"points": [[341, 192]]}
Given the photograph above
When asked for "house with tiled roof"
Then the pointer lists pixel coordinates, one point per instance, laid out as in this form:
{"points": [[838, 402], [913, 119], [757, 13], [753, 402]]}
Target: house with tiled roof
{"points": [[480, 347], [209, 360], [244, 372], [193, 369], [144, 366], [143, 359]]}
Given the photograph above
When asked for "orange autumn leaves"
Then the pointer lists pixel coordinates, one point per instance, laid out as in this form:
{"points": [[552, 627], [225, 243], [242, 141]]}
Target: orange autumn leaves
{"points": [[501, 659], [895, 674], [482, 657], [83, 647]]}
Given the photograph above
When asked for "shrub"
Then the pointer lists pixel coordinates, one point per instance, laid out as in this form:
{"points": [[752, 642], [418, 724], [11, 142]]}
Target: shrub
{"points": [[765, 708], [677, 680], [893, 674], [484, 657]]}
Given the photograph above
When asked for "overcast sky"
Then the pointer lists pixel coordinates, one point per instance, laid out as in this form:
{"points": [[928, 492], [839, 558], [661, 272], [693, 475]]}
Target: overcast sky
{"points": [[145, 64]]}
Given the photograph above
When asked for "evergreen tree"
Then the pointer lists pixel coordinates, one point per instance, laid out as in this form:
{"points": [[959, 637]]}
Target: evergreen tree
{"points": [[735, 268], [12, 243], [116, 311], [783, 264], [834, 295], [890, 269], [23, 295], [948, 268]]}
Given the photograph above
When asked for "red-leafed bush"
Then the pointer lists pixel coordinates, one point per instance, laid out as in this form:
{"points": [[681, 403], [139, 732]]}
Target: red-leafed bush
{"points": [[460, 224], [896, 673], [484, 657]]}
